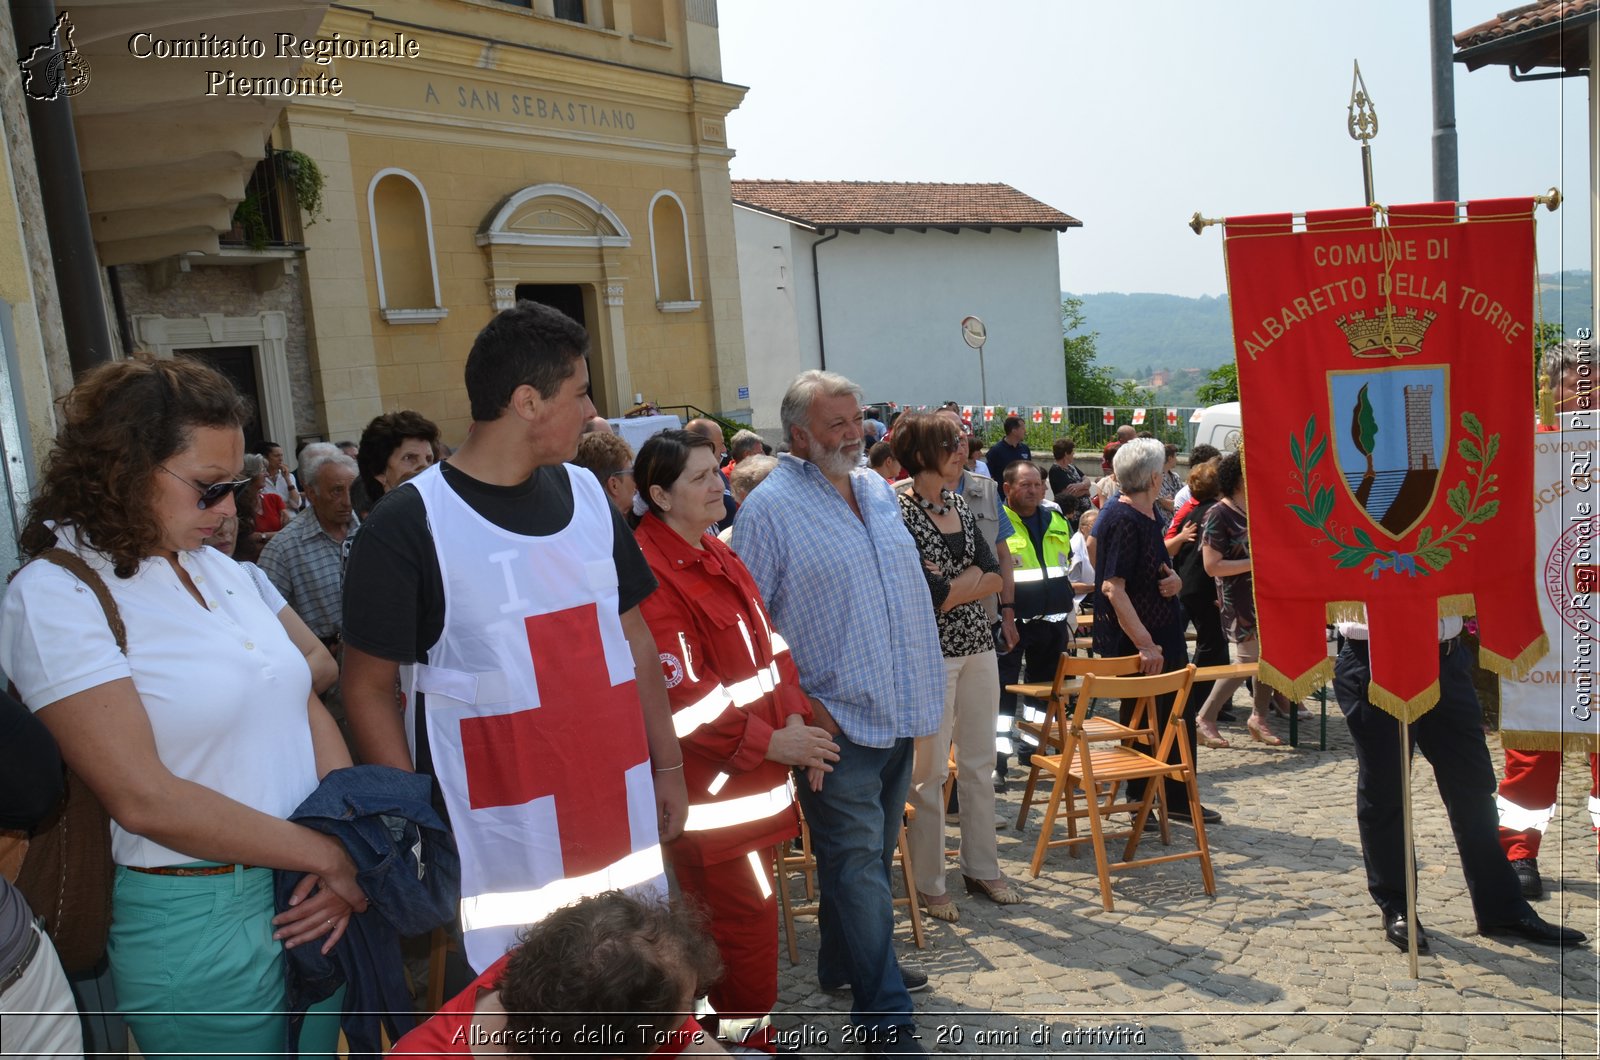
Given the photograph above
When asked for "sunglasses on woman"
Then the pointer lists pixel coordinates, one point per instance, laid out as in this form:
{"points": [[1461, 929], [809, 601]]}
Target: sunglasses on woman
{"points": [[212, 493]]}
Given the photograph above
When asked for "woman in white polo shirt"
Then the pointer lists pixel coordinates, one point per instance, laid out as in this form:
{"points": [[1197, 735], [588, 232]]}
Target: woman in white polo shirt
{"points": [[204, 736]]}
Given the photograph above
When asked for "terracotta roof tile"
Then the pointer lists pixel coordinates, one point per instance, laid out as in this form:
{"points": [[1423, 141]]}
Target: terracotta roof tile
{"points": [[868, 204], [1541, 13]]}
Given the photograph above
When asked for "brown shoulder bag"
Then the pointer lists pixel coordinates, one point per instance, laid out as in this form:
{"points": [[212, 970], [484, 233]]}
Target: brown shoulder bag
{"points": [[66, 874]]}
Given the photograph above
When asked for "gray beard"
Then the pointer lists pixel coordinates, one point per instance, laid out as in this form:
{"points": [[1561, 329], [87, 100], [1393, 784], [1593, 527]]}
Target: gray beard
{"points": [[836, 463]]}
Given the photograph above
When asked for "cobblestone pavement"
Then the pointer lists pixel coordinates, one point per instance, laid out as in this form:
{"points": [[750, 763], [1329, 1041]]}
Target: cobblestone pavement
{"points": [[1287, 958]]}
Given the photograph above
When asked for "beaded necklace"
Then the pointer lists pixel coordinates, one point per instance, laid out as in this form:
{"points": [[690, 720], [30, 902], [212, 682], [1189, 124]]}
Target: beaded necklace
{"points": [[946, 502]]}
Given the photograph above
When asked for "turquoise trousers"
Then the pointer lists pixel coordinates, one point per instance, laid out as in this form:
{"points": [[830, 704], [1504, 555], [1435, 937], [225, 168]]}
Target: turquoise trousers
{"points": [[198, 972]]}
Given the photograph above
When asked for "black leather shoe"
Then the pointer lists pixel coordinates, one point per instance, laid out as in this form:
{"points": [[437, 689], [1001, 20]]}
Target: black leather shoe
{"points": [[915, 978], [1394, 929], [1527, 870], [1207, 814], [1534, 928]]}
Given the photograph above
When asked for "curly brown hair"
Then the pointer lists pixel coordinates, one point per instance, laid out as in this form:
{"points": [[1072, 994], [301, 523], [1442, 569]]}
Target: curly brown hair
{"points": [[382, 437], [117, 425], [1203, 482], [606, 974]]}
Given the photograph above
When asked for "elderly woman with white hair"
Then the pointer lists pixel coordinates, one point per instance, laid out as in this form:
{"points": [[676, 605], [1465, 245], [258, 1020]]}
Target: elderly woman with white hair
{"points": [[1136, 610]]}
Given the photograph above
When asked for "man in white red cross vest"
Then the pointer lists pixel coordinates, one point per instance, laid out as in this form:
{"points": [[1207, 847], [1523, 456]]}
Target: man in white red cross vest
{"points": [[501, 590]]}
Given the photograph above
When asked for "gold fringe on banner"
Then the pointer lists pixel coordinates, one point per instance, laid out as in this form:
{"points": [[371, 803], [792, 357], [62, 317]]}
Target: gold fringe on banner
{"points": [[1403, 710], [1346, 611], [1296, 688], [1519, 740], [1514, 669], [1457, 605]]}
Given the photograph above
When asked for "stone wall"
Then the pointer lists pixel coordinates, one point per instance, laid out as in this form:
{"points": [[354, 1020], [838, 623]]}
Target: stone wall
{"points": [[227, 289]]}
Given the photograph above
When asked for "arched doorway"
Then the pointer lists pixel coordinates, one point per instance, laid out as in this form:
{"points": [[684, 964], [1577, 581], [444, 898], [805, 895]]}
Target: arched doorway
{"points": [[559, 245]]}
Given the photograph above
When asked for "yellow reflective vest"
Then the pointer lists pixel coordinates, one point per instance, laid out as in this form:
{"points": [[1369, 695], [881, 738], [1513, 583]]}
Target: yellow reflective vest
{"points": [[1032, 569]]}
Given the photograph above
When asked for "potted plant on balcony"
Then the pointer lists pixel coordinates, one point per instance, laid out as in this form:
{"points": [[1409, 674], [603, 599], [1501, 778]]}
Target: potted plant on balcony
{"points": [[300, 174]]}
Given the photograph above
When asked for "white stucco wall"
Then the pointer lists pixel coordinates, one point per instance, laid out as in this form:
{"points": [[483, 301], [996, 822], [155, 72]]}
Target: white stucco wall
{"points": [[779, 310], [892, 308]]}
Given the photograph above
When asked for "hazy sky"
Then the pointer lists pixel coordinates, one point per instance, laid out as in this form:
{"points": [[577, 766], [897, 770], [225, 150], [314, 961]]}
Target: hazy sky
{"points": [[1130, 117]]}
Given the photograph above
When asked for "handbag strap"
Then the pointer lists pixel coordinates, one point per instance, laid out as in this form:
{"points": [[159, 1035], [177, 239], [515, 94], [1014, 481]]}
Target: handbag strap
{"points": [[78, 568]]}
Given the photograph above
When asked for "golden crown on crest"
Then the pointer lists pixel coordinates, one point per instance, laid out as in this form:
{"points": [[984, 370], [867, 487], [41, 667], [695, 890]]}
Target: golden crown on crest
{"points": [[1387, 333]]}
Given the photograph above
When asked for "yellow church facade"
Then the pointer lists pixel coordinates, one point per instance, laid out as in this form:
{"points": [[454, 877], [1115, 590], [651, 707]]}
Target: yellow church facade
{"points": [[570, 152]]}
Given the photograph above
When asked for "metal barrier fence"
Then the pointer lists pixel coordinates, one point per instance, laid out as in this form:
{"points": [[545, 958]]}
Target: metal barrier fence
{"points": [[1086, 425]]}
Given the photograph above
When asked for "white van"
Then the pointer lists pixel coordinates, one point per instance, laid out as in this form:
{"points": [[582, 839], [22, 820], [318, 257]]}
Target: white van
{"points": [[1219, 425]]}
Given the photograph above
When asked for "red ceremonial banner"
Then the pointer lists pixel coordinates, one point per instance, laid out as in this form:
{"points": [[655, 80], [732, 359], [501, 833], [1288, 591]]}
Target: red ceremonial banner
{"points": [[1380, 371]]}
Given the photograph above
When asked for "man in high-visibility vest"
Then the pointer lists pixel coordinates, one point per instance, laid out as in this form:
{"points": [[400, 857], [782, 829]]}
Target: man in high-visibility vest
{"points": [[1041, 548]]}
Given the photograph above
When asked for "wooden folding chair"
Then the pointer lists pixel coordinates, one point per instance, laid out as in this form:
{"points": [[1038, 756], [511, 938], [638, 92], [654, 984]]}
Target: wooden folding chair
{"points": [[1057, 694], [438, 947], [1089, 765], [805, 863]]}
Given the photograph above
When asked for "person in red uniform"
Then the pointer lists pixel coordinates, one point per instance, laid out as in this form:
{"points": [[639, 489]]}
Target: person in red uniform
{"points": [[1527, 801], [741, 719], [610, 975]]}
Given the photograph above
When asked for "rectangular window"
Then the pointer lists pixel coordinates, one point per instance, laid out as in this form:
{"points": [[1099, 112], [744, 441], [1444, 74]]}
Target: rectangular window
{"points": [[570, 11]]}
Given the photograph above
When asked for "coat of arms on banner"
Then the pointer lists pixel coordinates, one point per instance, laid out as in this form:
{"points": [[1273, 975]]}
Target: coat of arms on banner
{"points": [[1381, 370]]}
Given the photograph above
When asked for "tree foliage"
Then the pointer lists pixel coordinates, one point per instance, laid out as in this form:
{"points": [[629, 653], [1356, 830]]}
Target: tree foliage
{"points": [[1222, 384], [1090, 383], [1364, 425]]}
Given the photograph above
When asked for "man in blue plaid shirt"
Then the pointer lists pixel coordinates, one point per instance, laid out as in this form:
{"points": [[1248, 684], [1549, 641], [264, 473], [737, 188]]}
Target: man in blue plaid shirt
{"points": [[842, 578]]}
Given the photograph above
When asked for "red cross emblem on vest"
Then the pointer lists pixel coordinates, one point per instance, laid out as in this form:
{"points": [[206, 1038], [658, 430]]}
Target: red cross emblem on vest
{"points": [[576, 745]]}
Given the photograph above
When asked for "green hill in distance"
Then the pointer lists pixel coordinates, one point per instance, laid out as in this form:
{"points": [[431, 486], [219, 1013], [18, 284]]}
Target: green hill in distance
{"points": [[1145, 334]]}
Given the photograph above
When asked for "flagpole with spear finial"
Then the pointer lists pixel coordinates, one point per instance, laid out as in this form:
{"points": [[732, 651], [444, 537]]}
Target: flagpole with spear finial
{"points": [[1361, 121]]}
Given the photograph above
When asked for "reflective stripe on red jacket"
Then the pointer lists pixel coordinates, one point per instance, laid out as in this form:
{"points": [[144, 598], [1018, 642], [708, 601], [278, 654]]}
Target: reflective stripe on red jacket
{"points": [[731, 683]]}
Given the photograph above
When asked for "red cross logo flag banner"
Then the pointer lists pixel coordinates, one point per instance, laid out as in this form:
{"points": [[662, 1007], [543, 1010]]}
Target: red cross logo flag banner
{"points": [[1038, 415], [1108, 416], [1385, 394], [1055, 414], [1552, 707], [1172, 417], [1138, 417]]}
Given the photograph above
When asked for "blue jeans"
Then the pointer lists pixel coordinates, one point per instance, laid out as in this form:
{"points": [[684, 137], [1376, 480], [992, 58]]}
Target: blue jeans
{"points": [[855, 828]]}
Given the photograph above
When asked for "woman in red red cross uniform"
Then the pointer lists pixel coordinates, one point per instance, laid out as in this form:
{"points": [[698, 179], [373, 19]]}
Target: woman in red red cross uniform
{"points": [[740, 716]]}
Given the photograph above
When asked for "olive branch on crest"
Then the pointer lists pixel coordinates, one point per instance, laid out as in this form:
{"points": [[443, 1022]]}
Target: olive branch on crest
{"points": [[1433, 548]]}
